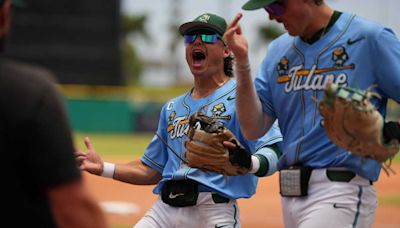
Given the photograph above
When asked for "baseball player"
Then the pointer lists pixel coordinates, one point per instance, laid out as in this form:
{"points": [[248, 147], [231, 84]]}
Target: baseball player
{"points": [[190, 197], [321, 184]]}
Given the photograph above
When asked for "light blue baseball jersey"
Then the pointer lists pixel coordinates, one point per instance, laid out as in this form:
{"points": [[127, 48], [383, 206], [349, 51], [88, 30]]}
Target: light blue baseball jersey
{"points": [[355, 52], [173, 128]]}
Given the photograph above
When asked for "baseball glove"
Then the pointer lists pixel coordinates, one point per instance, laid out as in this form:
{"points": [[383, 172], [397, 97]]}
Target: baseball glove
{"points": [[352, 122], [205, 149]]}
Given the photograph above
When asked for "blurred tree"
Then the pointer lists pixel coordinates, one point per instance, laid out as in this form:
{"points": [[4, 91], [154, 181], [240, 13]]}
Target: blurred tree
{"points": [[132, 65], [174, 23], [270, 31]]}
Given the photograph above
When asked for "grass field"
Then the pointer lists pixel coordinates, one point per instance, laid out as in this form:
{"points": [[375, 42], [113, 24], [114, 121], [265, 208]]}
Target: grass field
{"points": [[123, 146]]}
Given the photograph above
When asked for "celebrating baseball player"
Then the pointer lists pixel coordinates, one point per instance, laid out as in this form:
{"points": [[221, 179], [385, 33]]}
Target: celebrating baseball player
{"points": [[198, 177], [335, 62]]}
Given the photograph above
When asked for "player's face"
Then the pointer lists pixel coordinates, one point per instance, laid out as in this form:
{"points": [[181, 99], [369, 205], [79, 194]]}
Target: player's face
{"points": [[293, 14], [205, 53]]}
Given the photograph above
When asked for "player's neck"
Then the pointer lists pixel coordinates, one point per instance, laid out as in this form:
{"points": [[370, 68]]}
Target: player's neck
{"points": [[203, 87], [319, 22]]}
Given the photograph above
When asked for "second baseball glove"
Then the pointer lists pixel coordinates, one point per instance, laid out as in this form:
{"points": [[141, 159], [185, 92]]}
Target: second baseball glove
{"points": [[205, 149], [352, 122]]}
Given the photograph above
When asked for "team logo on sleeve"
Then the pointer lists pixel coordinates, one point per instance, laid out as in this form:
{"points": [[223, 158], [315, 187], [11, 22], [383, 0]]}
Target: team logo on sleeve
{"points": [[296, 77]]}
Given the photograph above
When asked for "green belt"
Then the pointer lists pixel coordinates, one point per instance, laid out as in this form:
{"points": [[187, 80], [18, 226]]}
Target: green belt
{"points": [[219, 199], [341, 175]]}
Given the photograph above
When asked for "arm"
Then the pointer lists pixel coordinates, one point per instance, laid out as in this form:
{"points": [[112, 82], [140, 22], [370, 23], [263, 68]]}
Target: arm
{"points": [[72, 206], [254, 123], [264, 162], [135, 172]]}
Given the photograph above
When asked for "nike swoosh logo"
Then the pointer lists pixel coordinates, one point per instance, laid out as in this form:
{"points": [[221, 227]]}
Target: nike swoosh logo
{"points": [[230, 98], [173, 196], [219, 226], [351, 42], [335, 205]]}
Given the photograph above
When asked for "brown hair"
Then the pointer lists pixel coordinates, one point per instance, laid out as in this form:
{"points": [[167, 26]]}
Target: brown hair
{"points": [[228, 66], [318, 2]]}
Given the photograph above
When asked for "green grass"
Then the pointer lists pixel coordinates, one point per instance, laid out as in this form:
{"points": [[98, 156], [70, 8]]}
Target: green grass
{"points": [[125, 145], [122, 146], [391, 200], [397, 159]]}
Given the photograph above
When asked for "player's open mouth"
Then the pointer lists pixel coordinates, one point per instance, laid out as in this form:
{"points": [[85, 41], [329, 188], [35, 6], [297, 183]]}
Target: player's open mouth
{"points": [[198, 57]]}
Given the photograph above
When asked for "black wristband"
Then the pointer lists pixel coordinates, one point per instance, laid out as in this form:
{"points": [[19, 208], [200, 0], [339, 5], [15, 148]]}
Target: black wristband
{"points": [[391, 130], [240, 156]]}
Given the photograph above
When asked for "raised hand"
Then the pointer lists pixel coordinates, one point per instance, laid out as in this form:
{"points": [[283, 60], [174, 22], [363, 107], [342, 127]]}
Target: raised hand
{"points": [[89, 161], [236, 41]]}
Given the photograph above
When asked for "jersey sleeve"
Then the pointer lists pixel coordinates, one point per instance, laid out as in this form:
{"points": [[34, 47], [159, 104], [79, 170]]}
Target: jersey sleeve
{"points": [[386, 50], [155, 154], [268, 151]]}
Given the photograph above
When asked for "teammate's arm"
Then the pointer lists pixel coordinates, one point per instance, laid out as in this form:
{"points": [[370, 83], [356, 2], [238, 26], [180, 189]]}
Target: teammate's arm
{"points": [[253, 121], [264, 161]]}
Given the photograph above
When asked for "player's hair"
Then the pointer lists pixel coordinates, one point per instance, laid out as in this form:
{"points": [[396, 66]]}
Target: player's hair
{"points": [[318, 2], [228, 66]]}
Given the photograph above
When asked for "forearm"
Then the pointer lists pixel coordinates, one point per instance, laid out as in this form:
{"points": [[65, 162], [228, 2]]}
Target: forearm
{"points": [[253, 122], [136, 172], [264, 162]]}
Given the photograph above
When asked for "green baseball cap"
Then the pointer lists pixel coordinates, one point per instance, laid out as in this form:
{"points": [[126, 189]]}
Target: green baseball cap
{"points": [[207, 22], [256, 4]]}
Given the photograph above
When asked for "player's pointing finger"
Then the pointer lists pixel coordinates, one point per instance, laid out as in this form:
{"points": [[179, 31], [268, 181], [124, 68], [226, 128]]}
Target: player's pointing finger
{"points": [[236, 20]]}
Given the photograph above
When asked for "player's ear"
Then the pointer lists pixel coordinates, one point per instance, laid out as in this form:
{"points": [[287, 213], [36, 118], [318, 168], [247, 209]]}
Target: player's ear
{"points": [[227, 52]]}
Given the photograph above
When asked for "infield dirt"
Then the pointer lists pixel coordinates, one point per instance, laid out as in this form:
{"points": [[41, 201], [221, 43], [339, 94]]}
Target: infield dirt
{"points": [[263, 210]]}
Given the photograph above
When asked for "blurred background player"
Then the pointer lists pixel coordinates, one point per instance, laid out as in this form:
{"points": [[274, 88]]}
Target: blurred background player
{"points": [[43, 186], [190, 197], [321, 45]]}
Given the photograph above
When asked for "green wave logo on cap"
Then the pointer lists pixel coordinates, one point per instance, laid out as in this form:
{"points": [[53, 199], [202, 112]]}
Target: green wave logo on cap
{"points": [[204, 18]]}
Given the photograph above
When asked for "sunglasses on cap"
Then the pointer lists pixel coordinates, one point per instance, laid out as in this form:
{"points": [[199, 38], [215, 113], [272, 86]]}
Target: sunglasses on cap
{"points": [[206, 38], [276, 9]]}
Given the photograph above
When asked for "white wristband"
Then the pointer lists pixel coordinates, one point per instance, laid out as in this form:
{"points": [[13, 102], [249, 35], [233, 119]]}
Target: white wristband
{"points": [[108, 170], [255, 164]]}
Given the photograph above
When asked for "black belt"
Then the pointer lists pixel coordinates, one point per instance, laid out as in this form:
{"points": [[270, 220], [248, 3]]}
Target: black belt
{"points": [[341, 175]]}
